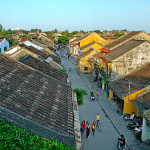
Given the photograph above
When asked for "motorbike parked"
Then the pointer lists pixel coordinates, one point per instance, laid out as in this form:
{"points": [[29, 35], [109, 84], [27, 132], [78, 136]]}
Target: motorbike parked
{"points": [[92, 97], [128, 116], [137, 130], [132, 124]]}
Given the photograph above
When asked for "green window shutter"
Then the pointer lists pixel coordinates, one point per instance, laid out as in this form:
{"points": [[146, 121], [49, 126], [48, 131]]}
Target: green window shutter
{"points": [[0, 50], [5, 48]]}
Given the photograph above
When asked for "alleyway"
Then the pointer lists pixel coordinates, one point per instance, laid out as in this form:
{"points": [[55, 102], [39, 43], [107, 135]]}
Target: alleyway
{"points": [[112, 123]]}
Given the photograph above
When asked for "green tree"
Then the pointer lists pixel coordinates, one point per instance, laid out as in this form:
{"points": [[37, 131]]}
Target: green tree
{"points": [[1, 28], [63, 39], [80, 93], [118, 35]]}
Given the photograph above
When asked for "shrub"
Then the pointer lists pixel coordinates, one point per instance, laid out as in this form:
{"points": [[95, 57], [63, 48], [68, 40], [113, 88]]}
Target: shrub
{"points": [[62, 70], [80, 93], [13, 137]]}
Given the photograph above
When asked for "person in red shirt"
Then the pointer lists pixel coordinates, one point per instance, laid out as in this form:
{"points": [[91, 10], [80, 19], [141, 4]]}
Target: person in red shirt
{"points": [[97, 93], [82, 127]]}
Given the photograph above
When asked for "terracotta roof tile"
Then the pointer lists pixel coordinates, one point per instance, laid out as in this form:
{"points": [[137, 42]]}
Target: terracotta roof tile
{"points": [[45, 68], [122, 49], [138, 79], [83, 54], [36, 96], [145, 98], [121, 39], [88, 45], [34, 50]]}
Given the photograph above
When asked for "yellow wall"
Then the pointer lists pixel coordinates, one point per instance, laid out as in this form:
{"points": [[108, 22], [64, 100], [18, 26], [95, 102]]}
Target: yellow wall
{"points": [[83, 62], [95, 46], [93, 37], [128, 107], [143, 34], [72, 39]]}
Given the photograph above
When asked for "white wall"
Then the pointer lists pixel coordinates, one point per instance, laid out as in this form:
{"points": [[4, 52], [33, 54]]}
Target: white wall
{"points": [[3, 44]]}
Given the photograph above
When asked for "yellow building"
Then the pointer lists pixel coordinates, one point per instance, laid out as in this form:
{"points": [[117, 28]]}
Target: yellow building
{"points": [[129, 87], [92, 37], [93, 45], [83, 65]]}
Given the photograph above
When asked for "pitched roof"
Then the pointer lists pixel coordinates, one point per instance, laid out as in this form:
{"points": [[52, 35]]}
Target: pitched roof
{"points": [[122, 49], [147, 116], [88, 45], [45, 68], [34, 50], [83, 54], [98, 55], [145, 98], [42, 53], [138, 79], [121, 39], [38, 97]]}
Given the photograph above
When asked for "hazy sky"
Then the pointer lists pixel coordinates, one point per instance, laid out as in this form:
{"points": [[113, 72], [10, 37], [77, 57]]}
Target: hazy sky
{"points": [[76, 14]]}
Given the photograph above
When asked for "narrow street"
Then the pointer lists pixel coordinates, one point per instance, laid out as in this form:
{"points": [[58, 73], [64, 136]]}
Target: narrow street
{"points": [[112, 123], [106, 139]]}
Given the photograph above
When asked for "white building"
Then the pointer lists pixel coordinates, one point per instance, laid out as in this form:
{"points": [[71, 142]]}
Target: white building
{"points": [[4, 45]]}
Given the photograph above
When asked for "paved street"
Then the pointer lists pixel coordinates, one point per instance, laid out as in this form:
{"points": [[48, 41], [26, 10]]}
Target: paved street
{"points": [[112, 123]]}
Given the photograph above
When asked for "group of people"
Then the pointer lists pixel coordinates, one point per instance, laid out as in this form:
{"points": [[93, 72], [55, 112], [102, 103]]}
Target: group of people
{"points": [[86, 126]]}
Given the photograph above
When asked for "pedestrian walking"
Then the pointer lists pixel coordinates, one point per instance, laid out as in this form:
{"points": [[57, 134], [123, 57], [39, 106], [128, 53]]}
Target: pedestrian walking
{"points": [[97, 93], [88, 131], [82, 127], [98, 119], [93, 126]]}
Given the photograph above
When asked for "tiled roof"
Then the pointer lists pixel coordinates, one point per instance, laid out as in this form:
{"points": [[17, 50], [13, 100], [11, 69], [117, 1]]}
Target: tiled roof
{"points": [[57, 59], [98, 55], [34, 50], [45, 68], [23, 39], [83, 54], [36, 96], [145, 98], [122, 49], [147, 116], [88, 45], [121, 39], [138, 79]]}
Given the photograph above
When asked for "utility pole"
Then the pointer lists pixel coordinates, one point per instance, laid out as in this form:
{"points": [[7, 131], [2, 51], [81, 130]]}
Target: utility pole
{"points": [[129, 91]]}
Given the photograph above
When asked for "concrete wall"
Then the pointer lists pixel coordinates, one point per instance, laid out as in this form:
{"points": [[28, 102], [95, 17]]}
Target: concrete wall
{"points": [[36, 128], [131, 60]]}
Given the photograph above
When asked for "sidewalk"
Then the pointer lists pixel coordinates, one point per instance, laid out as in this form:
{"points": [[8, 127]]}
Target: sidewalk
{"points": [[110, 109]]}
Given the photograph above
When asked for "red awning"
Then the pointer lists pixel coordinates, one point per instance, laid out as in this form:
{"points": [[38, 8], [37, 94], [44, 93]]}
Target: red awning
{"points": [[104, 50]]}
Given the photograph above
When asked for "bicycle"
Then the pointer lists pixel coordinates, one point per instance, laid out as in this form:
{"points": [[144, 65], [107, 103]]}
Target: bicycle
{"points": [[99, 124]]}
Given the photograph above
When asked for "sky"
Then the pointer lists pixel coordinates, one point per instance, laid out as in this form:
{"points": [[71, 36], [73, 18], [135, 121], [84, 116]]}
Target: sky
{"points": [[76, 15]]}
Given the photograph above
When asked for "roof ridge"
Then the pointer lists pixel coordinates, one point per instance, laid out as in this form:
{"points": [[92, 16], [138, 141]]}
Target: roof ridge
{"points": [[29, 56], [36, 70]]}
